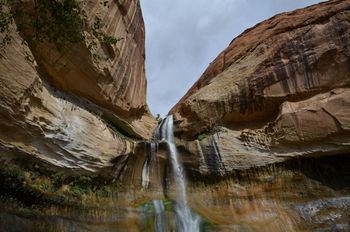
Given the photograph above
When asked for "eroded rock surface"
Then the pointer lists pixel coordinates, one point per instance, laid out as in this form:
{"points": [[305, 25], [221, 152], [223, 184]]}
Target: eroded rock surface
{"points": [[110, 75], [65, 107], [281, 89]]}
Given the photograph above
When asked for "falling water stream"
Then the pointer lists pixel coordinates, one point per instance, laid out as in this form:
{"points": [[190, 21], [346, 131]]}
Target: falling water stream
{"points": [[160, 218], [186, 221], [303, 195], [148, 162], [227, 212]]}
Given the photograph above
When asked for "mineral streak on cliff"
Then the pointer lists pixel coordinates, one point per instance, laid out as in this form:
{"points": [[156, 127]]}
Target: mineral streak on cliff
{"points": [[280, 89], [81, 106]]}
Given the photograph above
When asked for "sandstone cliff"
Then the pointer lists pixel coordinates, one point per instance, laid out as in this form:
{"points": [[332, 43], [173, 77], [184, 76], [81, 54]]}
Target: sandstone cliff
{"points": [[64, 106], [280, 90]]}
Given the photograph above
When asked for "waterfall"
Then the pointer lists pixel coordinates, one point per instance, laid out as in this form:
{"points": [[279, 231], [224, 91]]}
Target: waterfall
{"points": [[146, 166], [145, 174], [159, 216], [186, 221]]}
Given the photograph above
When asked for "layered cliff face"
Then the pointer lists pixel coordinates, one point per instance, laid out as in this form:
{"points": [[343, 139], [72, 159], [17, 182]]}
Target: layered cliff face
{"points": [[110, 75], [67, 107], [280, 90]]}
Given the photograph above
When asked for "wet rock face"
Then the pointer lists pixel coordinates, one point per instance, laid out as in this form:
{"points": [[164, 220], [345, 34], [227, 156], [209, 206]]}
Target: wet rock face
{"points": [[311, 194], [281, 89], [70, 110]]}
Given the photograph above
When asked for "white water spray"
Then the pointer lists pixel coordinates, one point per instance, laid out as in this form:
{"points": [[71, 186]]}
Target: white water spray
{"points": [[186, 221], [146, 166], [159, 214]]}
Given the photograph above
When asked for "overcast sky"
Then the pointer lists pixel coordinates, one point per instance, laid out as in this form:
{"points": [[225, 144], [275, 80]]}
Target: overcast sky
{"points": [[184, 36]]}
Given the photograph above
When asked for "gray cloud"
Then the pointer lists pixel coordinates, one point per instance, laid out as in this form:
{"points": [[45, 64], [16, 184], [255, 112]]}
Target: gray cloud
{"points": [[184, 36]]}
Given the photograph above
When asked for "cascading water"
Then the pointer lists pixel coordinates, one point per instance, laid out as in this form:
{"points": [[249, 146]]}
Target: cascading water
{"points": [[145, 174], [159, 216], [186, 221], [148, 162]]}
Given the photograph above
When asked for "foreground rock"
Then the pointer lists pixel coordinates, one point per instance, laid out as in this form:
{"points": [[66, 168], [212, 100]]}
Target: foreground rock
{"points": [[69, 109], [280, 90], [308, 194]]}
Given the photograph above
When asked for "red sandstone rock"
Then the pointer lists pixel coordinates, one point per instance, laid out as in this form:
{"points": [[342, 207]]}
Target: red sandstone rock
{"points": [[58, 106], [290, 57], [280, 90]]}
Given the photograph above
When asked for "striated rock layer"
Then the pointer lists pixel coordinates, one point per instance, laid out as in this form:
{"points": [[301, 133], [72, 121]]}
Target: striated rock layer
{"points": [[281, 89], [72, 110], [111, 76]]}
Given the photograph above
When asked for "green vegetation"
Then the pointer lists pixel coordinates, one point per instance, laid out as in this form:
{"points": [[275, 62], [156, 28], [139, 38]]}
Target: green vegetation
{"points": [[59, 22], [21, 177], [203, 134], [96, 31], [159, 118], [207, 132], [56, 21], [6, 18], [148, 207]]}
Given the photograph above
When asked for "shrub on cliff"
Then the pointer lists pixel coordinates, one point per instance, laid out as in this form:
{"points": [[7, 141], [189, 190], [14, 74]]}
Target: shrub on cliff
{"points": [[57, 21]]}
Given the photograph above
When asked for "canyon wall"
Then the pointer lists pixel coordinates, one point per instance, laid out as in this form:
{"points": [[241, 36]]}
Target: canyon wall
{"points": [[77, 107], [250, 132], [279, 90]]}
